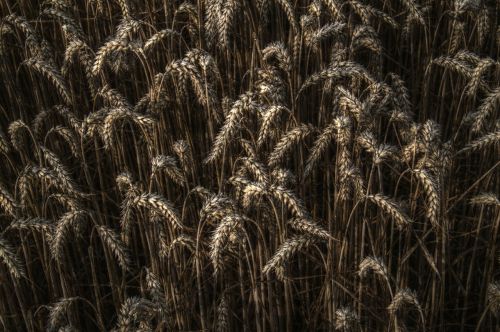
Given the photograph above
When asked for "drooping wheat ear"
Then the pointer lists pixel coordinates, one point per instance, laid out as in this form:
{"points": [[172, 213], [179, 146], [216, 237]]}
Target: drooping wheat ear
{"points": [[125, 8], [269, 86], [222, 324], [404, 298], [337, 70], [169, 165], [69, 221], [114, 98], [287, 7], [62, 172], [308, 226], [112, 241], [482, 142], [252, 193], [346, 319], [17, 137], [487, 107], [365, 36], [414, 13], [244, 105], [493, 297], [134, 310], [217, 207], [289, 199], [160, 205], [229, 10], [392, 208], [229, 226], [7, 201], [158, 37], [278, 51], [73, 121], [335, 9], [144, 122], [454, 64], [63, 16], [182, 240], [4, 143], [348, 103], [256, 169], [11, 260], [432, 190], [400, 94], [183, 152], [287, 141], [282, 177], [32, 224], [487, 199], [69, 137], [53, 75], [476, 78], [268, 118], [285, 252], [376, 266], [58, 311], [213, 9], [126, 183], [314, 38], [112, 46], [320, 146]]}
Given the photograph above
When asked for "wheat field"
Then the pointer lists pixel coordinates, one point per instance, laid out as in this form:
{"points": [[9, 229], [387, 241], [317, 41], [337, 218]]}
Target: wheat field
{"points": [[259, 165]]}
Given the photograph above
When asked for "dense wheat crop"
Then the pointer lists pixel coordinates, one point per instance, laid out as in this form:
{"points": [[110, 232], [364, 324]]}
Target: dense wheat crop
{"points": [[253, 165]]}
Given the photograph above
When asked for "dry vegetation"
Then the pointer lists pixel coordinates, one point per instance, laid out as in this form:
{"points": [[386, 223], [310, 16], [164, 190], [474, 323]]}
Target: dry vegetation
{"points": [[268, 165]]}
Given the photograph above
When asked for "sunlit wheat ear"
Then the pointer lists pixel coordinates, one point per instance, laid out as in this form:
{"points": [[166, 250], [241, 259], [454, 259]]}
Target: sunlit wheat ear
{"points": [[477, 74], [229, 10], [337, 70], [159, 205], [308, 226], [112, 241], [216, 207], [245, 104], [487, 107], [289, 199], [314, 38], [70, 221], [32, 224], [392, 208], [144, 122], [125, 8], [320, 146], [113, 98], [183, 151], [253, 192], [432, 191], [58, 312], [257, 170], [112, 46], [483, 142], [486, 199], [158, 37], [376, 266], [403, 299], [18, 132], [53, 75], [228, 226], [455, 65], [133, 311], [183, 241], [493, 297], [169, 165], [4, 143], [278, 51], [222, 323], [415, 15], [10, 259], [68, 136], [335, 8], [61, 171], [285, 252], [283, 177], [365, 36], [7, 201], [287, 141], [287, 7], [346, 319]]}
